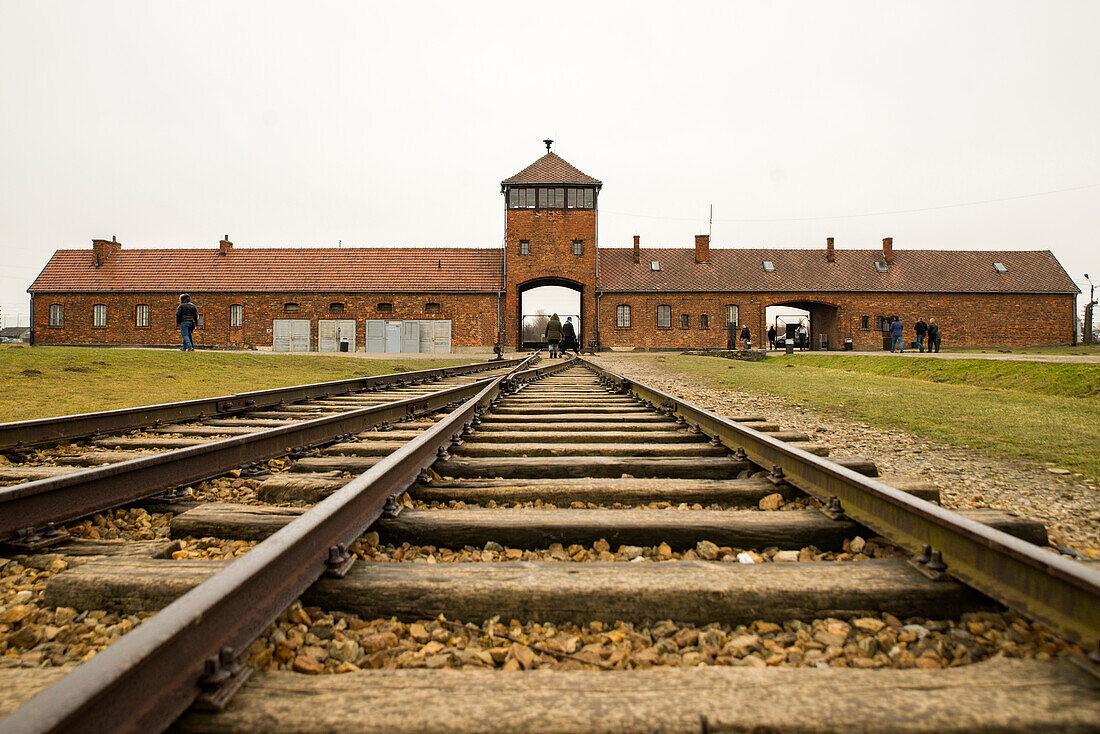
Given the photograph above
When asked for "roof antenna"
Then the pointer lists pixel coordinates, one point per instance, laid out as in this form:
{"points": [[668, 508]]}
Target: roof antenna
{"points": [[548, 142]]}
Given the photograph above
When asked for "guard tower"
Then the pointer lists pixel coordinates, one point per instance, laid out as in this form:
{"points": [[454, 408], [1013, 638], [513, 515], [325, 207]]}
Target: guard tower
{"points": [[550, 238]]}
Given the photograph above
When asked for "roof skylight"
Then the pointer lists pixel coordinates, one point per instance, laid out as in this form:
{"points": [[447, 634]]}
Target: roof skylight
{"points": [[654, 264], [881, 266], [1000, 267], [769, 266]]}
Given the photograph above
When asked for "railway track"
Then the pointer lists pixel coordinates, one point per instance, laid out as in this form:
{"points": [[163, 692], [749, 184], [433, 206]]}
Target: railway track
{"points": [[666, 569]]}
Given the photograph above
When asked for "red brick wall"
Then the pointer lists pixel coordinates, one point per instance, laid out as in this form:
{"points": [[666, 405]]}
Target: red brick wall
{"points": [[966, 319], [551, 234], [473, 316]]}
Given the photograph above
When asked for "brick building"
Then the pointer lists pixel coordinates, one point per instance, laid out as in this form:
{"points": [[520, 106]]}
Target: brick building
{"points": [[444, 299]]}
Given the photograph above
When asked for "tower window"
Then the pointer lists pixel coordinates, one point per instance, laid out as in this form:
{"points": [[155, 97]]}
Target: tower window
{"points": [[99, 315], [551, 198], [521, 198], [622, 316], [578, 247], [578, 198], [664, 317], [525, 247]]}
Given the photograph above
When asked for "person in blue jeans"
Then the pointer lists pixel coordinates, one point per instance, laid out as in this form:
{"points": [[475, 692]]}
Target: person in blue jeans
{"points": [[896, 335], [187, 316]]}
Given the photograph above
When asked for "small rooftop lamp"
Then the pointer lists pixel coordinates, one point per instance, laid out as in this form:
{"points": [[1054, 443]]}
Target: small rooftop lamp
{"points": [[548, 142]]}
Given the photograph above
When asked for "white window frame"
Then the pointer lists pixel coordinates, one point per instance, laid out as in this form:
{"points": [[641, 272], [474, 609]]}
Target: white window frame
{"points": [[141, 315], [578, 247], [664, 317], [731, 314], [57, 314], [622, 316], [525, 247], [236, 315], [99, 315]]}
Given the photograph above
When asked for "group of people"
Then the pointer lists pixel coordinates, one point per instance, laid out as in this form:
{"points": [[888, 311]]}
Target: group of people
{"points": [[801, 337], [561, 337], [929, 331]]}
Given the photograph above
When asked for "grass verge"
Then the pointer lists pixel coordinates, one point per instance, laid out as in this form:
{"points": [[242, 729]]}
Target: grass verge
{"points": [[1036, 423], [1080, 350], [46, 381]]}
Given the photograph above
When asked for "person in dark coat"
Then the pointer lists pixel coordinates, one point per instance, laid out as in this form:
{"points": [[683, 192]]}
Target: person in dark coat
{"points": [[933, 335], [896, 331], [746, 338], [187, 317], [568, 337], [553, 335], [771, 337], [921, 328]]}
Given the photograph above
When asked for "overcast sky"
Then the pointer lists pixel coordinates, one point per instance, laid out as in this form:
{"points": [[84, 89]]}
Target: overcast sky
{"points": [[172, 124]]}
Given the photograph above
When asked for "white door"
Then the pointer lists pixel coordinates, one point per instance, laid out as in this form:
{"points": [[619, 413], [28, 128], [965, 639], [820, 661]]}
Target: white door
{"points": [[376, 336], [345, 333], [290, 335], [332, 332], [442, 339], [393, 336], [427, 336], [410, 336]]}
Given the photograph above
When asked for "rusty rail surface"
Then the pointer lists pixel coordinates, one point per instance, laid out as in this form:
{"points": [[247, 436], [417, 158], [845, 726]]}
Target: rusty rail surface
{"points": [[20, 435], [1060, 593], [27, 508], [187, 652]]}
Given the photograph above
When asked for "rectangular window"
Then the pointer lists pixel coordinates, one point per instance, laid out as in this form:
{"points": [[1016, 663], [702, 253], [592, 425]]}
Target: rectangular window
{"points": [[525, 247], [236, 315], [543, 198], [685, 321], [552, 198], [731, 315], [664, 317], [141, 315], [622, 317], [571, 198], [578, 247], [704, 321], [55, 314], [431, 307], [385, 307], [290, 307], [521, 198], [199, 323], [588, 194], [99, 315], [865, 322]]}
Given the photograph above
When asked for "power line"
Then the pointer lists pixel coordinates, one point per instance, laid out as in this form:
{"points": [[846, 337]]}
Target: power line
{"points": [[866, 214]]}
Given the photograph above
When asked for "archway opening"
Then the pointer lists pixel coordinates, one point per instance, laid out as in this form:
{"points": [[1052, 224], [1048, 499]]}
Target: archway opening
{"points": [[808, 324], [538, 302]]}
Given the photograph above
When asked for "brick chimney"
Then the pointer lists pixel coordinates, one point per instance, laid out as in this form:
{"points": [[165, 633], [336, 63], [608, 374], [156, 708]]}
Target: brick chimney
{"points": [[637, 248], [102, 249], [225, 246], [702, 248], [888, 249], [830, 253]]}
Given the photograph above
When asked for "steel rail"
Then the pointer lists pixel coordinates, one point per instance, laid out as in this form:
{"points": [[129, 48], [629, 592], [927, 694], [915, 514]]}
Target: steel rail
{"points": [[21, 435], [1061, 593], [145, 680], [31, 506]]}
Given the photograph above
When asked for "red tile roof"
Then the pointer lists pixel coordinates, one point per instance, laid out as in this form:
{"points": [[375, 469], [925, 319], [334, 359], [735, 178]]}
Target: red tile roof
{"points": [[945, 271], [551, 169], [277, 269]]}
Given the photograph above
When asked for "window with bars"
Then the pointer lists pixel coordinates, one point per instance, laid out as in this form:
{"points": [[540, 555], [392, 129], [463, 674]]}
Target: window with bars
{"points": [[432, 307], [685, 321], [236, 315], [622, 316], [704, 321], [865, 322], [731, 315], [55, 314], [336, 308], [290, 307], [664, 317], [578, 247], [141, 315], [525, 247], [99, 315], [384, 307]]}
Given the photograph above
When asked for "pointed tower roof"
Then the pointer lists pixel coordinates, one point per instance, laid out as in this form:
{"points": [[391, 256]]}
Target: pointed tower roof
{"points": [[551, 169]]}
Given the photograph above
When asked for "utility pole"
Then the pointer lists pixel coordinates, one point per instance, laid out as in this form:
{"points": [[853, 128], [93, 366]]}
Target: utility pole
{"points": [[1087, 325]]}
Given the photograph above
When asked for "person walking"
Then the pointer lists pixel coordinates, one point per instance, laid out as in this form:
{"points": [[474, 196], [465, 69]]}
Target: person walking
{"points": [[933, 335], [553, 335], [921, 328], [771, 337], [187, 317], [896, 331], [746, 338], [569, 337]]}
